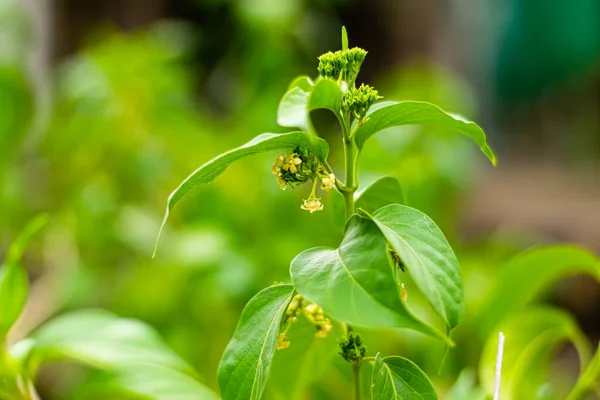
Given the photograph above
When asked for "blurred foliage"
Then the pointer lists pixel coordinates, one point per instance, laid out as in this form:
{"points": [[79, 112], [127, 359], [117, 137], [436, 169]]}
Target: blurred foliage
{"points": [[127, 125]]}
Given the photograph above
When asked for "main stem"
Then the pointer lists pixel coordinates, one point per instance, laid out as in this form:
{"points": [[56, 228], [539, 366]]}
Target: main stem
{"points": [[356, 370]]}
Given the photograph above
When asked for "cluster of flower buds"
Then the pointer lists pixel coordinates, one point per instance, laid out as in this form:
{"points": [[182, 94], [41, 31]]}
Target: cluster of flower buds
{"points": [[357, 101], [342, 65], [352, 348], [312, 312], [315, 315]]}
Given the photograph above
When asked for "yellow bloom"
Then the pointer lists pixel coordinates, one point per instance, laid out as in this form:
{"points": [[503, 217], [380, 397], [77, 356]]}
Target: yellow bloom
{"points": [[281, 182], [328, 183], [292, 162], [312, 205], [323, 329], [282, 342], [278, 164]]}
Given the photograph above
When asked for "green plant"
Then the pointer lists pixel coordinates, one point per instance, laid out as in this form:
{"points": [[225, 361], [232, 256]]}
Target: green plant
{"points": [[361, 283]]}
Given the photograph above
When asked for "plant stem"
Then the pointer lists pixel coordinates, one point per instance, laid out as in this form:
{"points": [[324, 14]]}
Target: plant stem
{"points": [[350, 158], [356, 370]]}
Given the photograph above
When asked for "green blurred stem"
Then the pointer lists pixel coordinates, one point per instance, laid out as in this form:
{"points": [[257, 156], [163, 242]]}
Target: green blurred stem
{"points": [[356, 370]]}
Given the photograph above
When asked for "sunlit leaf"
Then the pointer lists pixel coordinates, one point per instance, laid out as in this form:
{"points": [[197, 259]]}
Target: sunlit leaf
{"points": [[101, 339], [531, 337], [396, 378], [530, 273], [588, 380], [427, 256], [379, 193], [14, 286], [421, 113], [355, 283], [143, 381], [260, 144], [247, 359]]}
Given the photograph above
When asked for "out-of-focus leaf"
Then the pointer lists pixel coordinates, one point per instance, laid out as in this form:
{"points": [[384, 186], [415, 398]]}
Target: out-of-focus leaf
{"points": [[19, 246], [144, 381], [420, 113], [531, 337], [247, 359], [427, 256], [14, 286], [588, 380], [529, 273], [397, 378], [465, 387], [354, 283], [380, 193], [101, 339], [260, 144]]}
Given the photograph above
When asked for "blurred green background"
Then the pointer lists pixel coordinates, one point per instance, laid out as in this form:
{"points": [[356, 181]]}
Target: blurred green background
{"points": [[105, 106]]}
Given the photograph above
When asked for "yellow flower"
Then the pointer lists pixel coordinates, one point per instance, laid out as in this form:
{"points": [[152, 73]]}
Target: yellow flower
{"points": [[328, 182], [281, 182], [292, 162], [323, 329], [278, 164], [282, 342], [312, 204]]}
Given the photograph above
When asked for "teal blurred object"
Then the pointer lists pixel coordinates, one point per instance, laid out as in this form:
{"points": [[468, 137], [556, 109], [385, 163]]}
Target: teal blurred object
{"points": [[546, 43]]}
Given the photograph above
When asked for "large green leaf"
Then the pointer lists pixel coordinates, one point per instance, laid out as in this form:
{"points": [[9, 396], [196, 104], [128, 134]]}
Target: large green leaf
{"points": [[588, 380], [420, 113], [396, 378], [14, 286], [262, 143], [531, 337], [530, 273], [379, 193], [355, 283], [326, 95], [143, 381], [101, 339], [427, 256], [247, 359]]}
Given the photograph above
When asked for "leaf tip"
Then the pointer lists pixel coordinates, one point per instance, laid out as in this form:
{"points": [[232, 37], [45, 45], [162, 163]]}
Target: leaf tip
{"points": [[344, 38]]}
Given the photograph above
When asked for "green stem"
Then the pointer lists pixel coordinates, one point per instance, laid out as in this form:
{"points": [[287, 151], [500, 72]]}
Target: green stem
{"points": [[351, 158], [356, 370]]}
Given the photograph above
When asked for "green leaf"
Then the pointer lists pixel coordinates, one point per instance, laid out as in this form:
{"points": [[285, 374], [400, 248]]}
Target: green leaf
{"points": [[588, 380], [101, 339], [14, 286], [355, 283], [427, 256], [531, 337], [379, 193], [145, 381], [247, 359], [260, 144], [327, 95], [344, 38], [420, 113], [465, 387], [21, 243], [530, 273], [396, 378]]}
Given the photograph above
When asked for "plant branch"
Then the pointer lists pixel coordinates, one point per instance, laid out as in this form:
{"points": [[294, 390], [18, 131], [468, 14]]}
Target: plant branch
{"points": [[356, 370]]}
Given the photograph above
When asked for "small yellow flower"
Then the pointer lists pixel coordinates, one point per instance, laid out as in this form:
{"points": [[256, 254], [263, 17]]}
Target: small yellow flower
{"points": [[323, 329], [282, 342], [292, 162], [312, 205], [281, 182], [328, 182], [278, 164]]}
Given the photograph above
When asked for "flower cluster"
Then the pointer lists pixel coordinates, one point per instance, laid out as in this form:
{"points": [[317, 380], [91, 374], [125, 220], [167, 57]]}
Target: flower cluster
{"points": [[312, 312], [315, 315], [343, 64], [352, 348], [357, 101]]}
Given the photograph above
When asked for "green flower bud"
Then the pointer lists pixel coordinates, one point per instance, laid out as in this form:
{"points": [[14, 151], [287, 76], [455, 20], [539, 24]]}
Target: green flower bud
{"points": [[357, 101], [343, 64], [352, 349]]}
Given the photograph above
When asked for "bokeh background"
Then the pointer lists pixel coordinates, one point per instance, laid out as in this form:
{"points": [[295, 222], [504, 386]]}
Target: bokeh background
{"points": [[106, 105]]}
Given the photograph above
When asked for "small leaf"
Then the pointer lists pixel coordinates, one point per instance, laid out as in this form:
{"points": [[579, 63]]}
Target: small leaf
{"points": [[531, 337], [344, 38], [293, 107], [260, 144], [379, 193], [530, 273], [14, 286], [247, 359], [588, 380], [145, 381], [396, 378], [327, 95], [420, 113], [354, 283], [101, 339], [427, 255]]}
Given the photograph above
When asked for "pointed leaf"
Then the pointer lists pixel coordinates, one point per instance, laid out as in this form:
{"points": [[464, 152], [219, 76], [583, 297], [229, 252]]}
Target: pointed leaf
{"points": [[379, 193], [14, 286], [344, 38], [396, 378], [531, 337], [260, 144], [101, 339], [530, 273], [420, 113], [427, 256], [247, 359], [355, 283], [588, 380]]}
